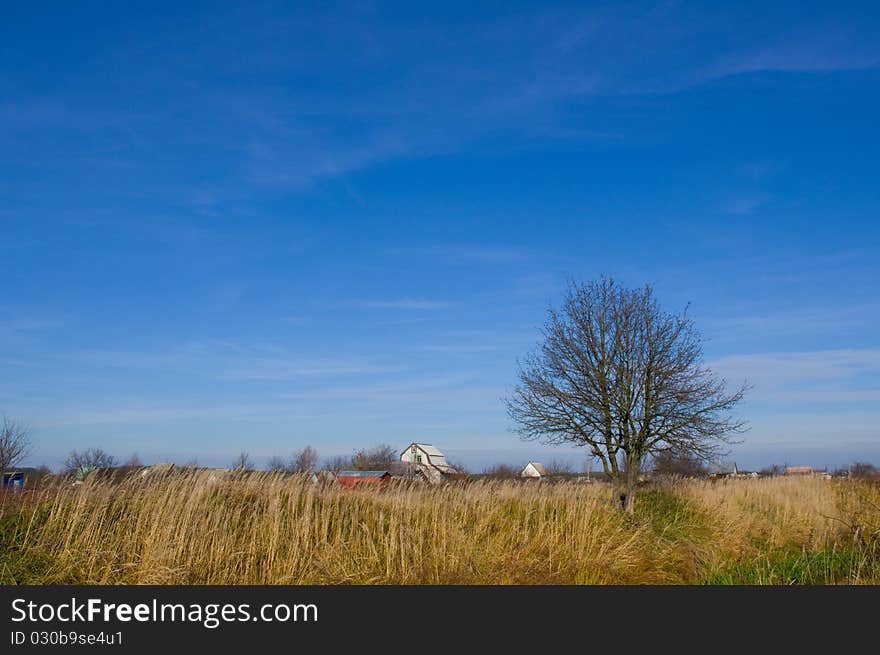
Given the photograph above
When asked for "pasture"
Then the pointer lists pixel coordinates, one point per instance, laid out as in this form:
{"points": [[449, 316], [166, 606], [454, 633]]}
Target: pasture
{"points": [[259, 528]]}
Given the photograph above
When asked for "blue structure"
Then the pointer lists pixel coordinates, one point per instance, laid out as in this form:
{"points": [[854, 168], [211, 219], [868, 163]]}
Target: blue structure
{"points": [[13, 481]]}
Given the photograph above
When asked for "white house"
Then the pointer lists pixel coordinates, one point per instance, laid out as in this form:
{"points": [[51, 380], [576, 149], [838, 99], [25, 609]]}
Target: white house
{"points": [[426, 461], [533, 470]]}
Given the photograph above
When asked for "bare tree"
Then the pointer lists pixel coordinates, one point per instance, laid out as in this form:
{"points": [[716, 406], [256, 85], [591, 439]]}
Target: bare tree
{"points": [[80, 463], [772, 471], [276, 464], [618, 375], [863, 470], [458, 466], [128, 467], [15, 443], [338, 463], [501, 472], [38, 475], [558, 468], [381, 457], [673, 463], [243, 462], [301, 461], [304, 461]]}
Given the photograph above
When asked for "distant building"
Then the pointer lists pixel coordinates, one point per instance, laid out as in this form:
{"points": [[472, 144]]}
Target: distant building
{"points": [[425, 461], [533, 470], [723, 470], [354, 479], [799, 470]]}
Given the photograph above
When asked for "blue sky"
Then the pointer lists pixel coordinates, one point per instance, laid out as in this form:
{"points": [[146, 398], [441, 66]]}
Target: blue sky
{"points": [[252, 226]]}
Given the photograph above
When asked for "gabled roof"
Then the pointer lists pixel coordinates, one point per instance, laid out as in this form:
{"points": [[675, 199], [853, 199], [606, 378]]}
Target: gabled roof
{"points": [[537, 466], [427, 448]]}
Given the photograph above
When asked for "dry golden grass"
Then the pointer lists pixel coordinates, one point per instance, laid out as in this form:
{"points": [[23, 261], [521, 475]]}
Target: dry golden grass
{"points": [[774, 511], [755, 521], [260, 528]]}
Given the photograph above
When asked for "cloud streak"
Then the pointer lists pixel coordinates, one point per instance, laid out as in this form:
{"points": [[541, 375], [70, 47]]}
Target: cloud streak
{"points": [[297, 133], [239, 361], [405, 304], [821, 376]]}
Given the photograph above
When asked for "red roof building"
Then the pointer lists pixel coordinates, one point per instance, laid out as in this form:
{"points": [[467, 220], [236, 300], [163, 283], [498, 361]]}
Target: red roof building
{"points": [[354, 479]]}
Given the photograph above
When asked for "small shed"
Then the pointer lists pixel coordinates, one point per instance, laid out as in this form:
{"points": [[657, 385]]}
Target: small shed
{"points": [[353, 479], [533, 470]]}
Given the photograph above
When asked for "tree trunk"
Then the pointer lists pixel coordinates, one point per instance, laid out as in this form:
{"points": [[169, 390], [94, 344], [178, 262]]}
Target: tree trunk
{"points": [[625, 490], [629, 505]]}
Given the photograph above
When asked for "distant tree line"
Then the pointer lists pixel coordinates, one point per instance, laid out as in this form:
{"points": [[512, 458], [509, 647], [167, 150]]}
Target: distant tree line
{"points": [[16, 445], [862, 470], [303, 461], [381, 457]]}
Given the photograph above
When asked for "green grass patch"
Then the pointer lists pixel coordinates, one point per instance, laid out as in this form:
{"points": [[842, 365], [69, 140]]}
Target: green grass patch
{"points": [[668, 515], [798, 567], [21, 564]]}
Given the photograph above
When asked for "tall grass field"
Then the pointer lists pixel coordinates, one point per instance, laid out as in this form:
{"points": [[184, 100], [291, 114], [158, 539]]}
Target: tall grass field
{"points": [[259, 528]]}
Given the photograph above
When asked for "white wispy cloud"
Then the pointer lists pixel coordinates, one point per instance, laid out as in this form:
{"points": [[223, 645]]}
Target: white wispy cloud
{"points": [[232, 360], [825, 396], [510, 71], [817, 404], [470, 253], [761, 170], [277, 370], [775, 325], [460, 348], [812, 51], [437, 391], [402, 303], [744, 203], [28, 324], [130, 414], [827, 376]]}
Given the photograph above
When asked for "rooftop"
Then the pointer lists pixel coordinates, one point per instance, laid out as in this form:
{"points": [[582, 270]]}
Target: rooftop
{"points": [[428, 448]]}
